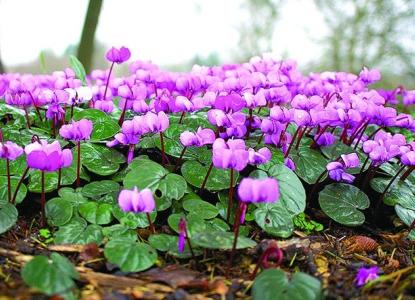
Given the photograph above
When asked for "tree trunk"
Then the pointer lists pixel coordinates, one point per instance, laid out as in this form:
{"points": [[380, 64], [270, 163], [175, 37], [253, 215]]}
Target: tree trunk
{"points": [[86, 45]]}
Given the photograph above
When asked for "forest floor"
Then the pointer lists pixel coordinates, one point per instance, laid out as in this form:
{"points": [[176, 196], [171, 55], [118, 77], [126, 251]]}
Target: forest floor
{"points": [[332, 255]]}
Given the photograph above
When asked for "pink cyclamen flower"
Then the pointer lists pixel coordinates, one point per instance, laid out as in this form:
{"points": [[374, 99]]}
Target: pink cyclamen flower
{"points": [[364, 275], [118, 56], [230, 154], [258, 190], [47, 157], [77, 130], [10, 150], [199, 138], [138, 202]]}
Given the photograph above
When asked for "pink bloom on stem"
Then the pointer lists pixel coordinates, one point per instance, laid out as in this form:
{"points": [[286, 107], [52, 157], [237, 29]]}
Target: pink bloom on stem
{"points": [[118, 55], [138, 202], [77, 130], [10, 150], [47, 157], [364, 275]]}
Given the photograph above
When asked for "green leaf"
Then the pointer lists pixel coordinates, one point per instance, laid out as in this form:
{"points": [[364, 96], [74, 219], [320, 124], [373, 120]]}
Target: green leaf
{"points": [[119, 231], [35, 182], [275, 219], [342, 202], [399, 193], [8, 215], [172, 144], [221, 240], [194, 224], [139, 220], [74, 197], [100, 159], [305, 225], [165, 186], [273, 284], [309, 164], [292, 193], [96, 189], [130, 256], [202, 208], [277, 158], [407, 216], [17, 167], [21, 194], [219, 179], [58, 211], [78, 68], [51, 277], [95, 212], [76, 231], [168, 243]]}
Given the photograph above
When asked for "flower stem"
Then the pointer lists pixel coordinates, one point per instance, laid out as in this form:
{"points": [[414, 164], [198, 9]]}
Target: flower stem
{"points": [[78, 166], [314, 143], [248, 129], [121, 120], [235, 240], [206, 179], [152, 230], [230, 198], [407, 172], [182, 117], [292, 142], [163, 155], [179, 160], [19, 184], [108, 81], [27, 116], [9, 185], [42, 200], [272, 249]]}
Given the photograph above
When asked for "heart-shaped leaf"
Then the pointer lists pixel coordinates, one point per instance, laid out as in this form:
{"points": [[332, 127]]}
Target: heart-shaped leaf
{"points": [[98, 188], [309, 164], [35, 182], [274, 218], [8, 215], [51, 276], [201, 208], [221, 240], [95, 212], [273, 284], [21, 194], [399, 193], [58, 211], [130, 256], [76, 231], [219, 179], [342, 202], [165, 186], [100, 159]]}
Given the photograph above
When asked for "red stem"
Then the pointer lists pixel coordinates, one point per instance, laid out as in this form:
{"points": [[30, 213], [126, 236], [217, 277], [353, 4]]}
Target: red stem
{"points": [[19, 184], [78, 166], [43, 200], [9, 185], [206, 179], [152, 230], [180, 158], [108, 81], [230, 198]]}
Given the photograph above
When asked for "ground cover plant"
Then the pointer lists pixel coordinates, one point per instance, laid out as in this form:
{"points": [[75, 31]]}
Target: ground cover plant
{"points": [[234, 181]]}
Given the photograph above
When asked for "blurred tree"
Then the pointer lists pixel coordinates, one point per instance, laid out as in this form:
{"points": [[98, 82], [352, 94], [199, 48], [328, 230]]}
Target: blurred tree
{"points": [[2, 70], [86, 45], [256, 32], [377, 34]]}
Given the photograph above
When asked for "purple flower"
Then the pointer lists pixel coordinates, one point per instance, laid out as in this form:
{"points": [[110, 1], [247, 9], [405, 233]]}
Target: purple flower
{"points": [[152, 122], [133, 200], [77, 130], [230, 154], [337, 173], [364, 275], [10, 150], [118, 56], [182, 234], [198, 139], [258, 190], [259, 157], [350, 160], [47, 157], [326, 139]]}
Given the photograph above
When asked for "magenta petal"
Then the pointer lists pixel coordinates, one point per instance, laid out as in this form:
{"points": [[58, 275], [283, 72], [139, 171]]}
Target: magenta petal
{"points": [[37, 160], [67, 158], [124, 200]]}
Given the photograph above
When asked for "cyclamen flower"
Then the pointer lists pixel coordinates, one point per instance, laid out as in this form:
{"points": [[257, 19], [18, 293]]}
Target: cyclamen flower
{"points": [[77, 130], [198, 139], [10, 150], [118, 56], [47, 157], [182, 234], [230, 154], [258, 190], [336, 169], [138, 202], [364, 275], [259, 157]]}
